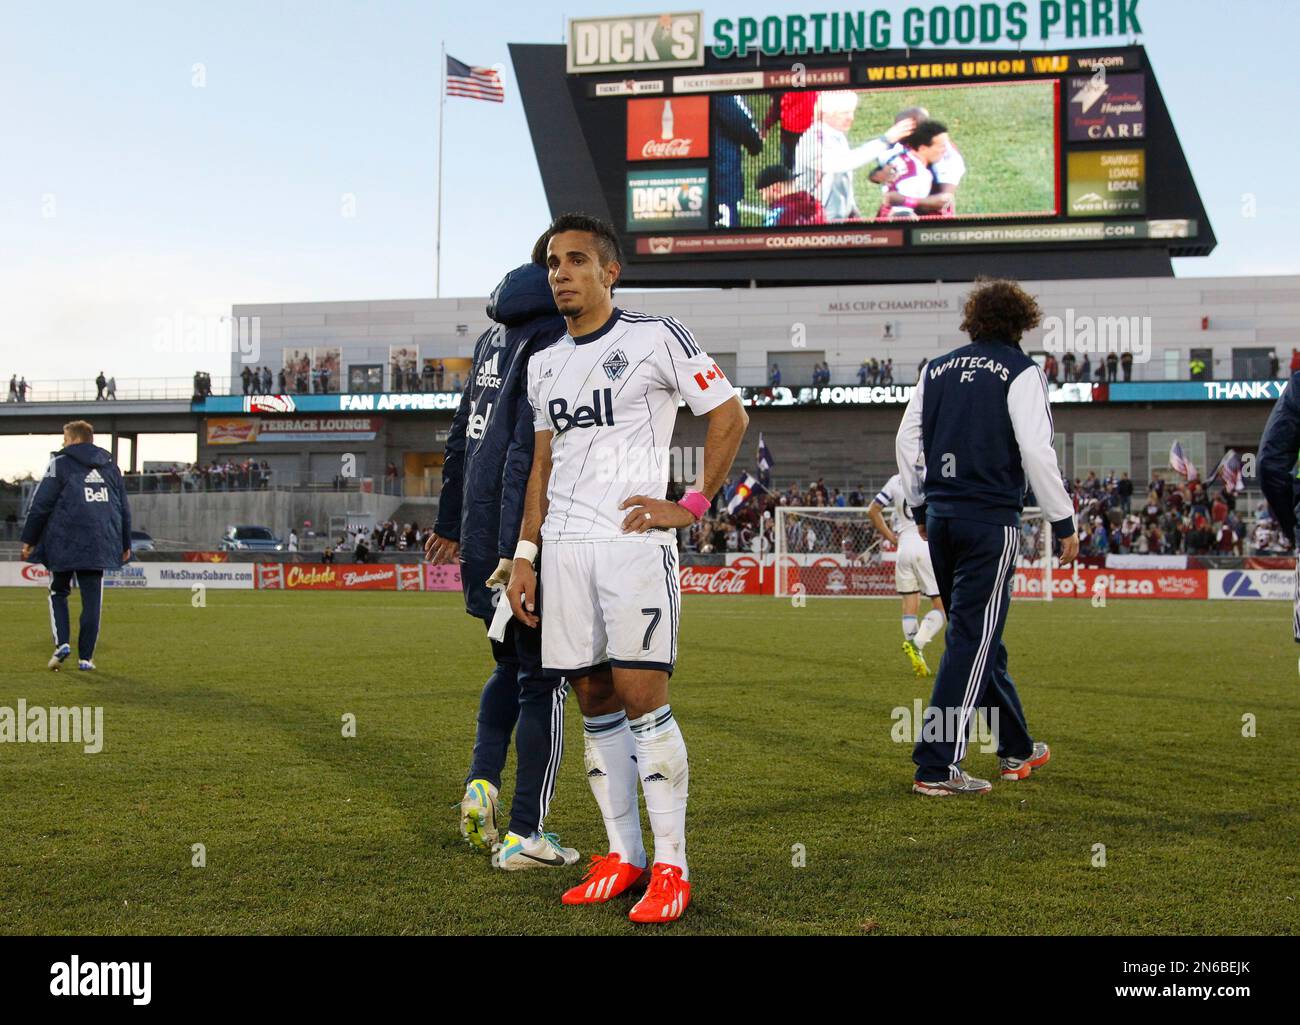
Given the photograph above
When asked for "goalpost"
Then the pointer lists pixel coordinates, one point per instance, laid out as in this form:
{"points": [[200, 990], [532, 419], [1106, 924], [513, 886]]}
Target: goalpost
{"points": [[822, 552]]}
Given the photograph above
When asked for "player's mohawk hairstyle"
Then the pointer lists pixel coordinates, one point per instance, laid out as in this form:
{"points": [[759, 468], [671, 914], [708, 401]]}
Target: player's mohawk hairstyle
{"points": [[999, 311]]}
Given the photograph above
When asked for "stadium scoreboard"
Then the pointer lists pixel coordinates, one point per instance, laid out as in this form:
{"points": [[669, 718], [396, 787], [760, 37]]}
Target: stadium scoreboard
{"points": [[802, 149]]}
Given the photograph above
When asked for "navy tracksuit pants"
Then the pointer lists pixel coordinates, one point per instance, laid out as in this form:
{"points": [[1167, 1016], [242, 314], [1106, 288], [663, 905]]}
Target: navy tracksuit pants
{"points": [[521, 697], [90, 582], [973, 566]]}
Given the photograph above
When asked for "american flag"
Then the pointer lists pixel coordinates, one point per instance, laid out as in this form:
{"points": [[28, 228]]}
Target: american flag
{"points": [[474, 83], [1230, 472], [1180, 464]]}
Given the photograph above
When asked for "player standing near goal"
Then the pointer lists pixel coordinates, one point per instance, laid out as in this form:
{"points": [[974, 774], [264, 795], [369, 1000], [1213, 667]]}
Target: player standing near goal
{"points": [[605, 400], [913, 574], [977, 428]]}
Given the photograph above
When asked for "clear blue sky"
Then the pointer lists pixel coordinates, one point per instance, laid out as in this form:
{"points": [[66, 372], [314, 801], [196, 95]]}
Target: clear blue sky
{"points": [[170, 201]]}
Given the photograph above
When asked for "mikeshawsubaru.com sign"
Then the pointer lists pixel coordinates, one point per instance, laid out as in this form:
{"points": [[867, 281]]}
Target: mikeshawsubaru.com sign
{"points": [[142, 575]]}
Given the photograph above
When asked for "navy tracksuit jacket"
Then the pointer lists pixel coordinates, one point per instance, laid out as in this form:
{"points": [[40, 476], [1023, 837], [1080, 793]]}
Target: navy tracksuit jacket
{"points": [[977, 431], [79, 524], [489, 454], [1277, 461]]}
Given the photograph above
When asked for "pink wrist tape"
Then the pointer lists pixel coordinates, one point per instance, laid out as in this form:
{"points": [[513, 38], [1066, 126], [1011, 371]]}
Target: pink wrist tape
{"points": [[695, 503]]}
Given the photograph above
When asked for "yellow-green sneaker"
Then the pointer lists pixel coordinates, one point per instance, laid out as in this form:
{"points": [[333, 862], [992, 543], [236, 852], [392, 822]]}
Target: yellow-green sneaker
{"points": [[914, 656], [478, 814]]}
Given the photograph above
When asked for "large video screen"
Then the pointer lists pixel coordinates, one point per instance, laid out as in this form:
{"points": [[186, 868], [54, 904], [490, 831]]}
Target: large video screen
{"points": [[928, 153]]}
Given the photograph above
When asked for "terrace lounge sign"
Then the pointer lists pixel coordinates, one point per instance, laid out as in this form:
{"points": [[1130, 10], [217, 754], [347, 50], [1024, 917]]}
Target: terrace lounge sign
{"points": [[636, 42]]}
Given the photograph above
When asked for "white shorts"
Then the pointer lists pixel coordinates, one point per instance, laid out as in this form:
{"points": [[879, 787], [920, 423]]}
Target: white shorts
{"points": [[609, 603], [913, 571]]}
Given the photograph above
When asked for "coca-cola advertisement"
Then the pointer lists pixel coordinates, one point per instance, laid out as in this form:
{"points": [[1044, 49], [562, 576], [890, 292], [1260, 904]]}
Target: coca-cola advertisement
{"points": [[668, 128], [741, 577]]}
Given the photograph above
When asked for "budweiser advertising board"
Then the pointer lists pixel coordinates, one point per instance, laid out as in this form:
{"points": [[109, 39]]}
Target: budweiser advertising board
{"points": [[314, 576], [668, 128]]}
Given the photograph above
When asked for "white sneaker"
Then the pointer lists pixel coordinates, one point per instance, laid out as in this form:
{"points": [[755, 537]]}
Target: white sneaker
{"points": [[60, 653], [541, 850], [478, 814], [85, 663]]}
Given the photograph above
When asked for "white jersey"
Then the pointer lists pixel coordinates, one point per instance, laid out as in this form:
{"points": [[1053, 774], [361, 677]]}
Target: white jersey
{"points": [[610, 400], [890, 499]]}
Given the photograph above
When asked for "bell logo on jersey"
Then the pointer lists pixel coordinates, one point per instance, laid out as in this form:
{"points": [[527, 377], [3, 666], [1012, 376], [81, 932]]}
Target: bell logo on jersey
{"points": [[714, 374], [477, 425], [489, 375], [583, 416], [96, 494]]}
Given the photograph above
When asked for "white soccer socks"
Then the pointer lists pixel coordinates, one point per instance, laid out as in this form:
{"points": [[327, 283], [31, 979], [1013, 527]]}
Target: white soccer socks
{"points": [[611, 759], [930, 627], [909, 628], [665, 775]]}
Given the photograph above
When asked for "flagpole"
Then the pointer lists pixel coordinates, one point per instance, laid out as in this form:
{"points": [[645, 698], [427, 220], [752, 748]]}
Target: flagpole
{"points": [[442, 116]]}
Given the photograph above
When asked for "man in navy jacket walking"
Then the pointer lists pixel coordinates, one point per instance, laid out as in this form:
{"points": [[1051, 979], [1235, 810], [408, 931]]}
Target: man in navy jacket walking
{"points": [[1277, 477], [78, 525], [979, 428], [485, 474]]}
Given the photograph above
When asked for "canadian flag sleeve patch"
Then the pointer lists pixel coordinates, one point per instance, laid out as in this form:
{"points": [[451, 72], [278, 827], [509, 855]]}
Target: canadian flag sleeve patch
{"points": [[713, 374]]}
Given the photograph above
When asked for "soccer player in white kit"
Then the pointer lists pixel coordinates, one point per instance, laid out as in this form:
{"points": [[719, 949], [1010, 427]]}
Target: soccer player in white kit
{"points": [[913, 573], [604, 400]]}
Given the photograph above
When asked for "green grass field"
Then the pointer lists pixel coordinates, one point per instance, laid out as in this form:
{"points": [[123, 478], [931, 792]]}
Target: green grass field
{"points": [[1006, 134], [223, 727]]}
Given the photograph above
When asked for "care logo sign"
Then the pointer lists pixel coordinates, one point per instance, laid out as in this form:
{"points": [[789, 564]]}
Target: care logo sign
{"points": [[1107, 182], [1106, 107], [672, 128], [636, 41], [659, 200]]}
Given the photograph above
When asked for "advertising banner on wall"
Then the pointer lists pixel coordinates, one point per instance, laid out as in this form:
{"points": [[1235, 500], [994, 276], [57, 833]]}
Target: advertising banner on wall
{"points": [[142, 575], [1253, 584]]}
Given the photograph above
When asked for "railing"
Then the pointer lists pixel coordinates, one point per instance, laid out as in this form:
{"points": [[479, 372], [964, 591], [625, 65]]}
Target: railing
{"points": [[139, 389], [239, 478], [162, 388]]}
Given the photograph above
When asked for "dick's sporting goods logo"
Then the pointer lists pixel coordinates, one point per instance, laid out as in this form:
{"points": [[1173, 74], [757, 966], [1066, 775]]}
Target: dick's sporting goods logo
{"points": [[599, 414], [489, 374]]}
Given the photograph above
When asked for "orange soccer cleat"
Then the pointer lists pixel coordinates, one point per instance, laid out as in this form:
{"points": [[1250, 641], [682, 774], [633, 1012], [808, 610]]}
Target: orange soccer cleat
{"points": [[665, 899], [607, 876]]}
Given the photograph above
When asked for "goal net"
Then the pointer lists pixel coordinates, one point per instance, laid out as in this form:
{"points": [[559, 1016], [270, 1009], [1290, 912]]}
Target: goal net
{"points": [[837, 553]]}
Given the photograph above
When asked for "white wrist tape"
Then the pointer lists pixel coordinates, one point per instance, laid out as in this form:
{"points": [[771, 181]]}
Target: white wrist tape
{"points": [[526, 550]]}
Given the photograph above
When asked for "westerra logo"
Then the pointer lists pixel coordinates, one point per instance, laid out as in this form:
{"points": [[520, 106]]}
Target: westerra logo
{"points": [[53, 725], [102, 979], [583, 416]]}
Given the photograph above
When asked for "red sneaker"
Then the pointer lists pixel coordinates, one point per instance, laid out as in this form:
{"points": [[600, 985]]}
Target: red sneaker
{"points": [[1016, 768], [607, 876], [665, 899]]}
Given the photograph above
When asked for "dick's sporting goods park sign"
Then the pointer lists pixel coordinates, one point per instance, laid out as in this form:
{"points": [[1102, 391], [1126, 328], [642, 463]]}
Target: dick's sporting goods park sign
{"points": [[677, 40]]}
